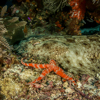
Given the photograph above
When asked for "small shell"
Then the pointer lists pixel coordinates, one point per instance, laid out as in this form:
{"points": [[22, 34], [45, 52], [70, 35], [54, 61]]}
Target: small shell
{"points": [[79, 84], [91, 79], [65, 85], [69, 90]]}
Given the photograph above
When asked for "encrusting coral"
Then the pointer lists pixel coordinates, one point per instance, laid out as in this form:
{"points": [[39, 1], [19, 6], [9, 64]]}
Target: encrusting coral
{"points": [[78, 9], [81, 9]]}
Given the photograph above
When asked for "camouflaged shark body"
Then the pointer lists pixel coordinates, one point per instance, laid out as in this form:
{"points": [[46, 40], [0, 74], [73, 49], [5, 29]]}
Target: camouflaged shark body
{"points": [[76, 54]]}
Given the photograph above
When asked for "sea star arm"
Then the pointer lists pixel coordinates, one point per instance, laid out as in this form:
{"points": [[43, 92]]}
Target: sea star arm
{"points": [[35, 65], [61, 73], [46, 71]]}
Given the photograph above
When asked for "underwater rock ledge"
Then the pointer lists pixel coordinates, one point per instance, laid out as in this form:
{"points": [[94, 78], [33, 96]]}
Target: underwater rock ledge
{"points": [[76, 54]]}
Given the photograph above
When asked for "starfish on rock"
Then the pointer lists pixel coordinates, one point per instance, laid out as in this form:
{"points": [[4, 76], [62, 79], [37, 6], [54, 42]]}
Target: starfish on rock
{"points": [[48, 68]]}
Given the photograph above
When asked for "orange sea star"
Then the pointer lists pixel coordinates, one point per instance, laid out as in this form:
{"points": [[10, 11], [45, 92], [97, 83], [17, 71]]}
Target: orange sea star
{"points": [[48, 68]]}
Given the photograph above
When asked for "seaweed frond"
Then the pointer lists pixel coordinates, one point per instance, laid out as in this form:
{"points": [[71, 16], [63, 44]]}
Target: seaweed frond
{"points": [[4, 42]]}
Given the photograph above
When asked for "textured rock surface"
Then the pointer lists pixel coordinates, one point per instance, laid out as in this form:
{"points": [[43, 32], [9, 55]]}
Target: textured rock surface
{"points": [[77, 54]]}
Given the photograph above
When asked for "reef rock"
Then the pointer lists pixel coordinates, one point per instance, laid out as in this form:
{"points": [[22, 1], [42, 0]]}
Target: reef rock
{"points": [[76, 54]]}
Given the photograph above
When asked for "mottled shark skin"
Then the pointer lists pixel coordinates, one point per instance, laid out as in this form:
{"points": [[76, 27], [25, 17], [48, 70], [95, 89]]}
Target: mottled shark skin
{"points": [[76, 54]]}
